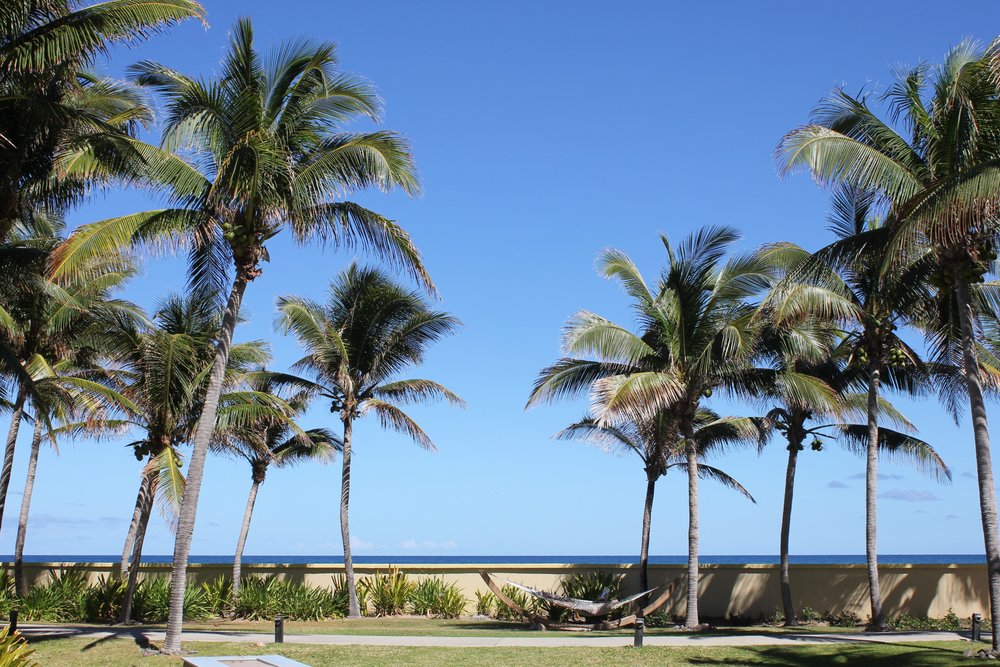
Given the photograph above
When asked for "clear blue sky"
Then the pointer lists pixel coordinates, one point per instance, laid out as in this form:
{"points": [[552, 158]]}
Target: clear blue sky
{"points": [[545, 132]]}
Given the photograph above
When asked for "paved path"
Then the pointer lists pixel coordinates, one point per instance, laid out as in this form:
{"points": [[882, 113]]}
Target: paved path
{"points": [[551, 639]]}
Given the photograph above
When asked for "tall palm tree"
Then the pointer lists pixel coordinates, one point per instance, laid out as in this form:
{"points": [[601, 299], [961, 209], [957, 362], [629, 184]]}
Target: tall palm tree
{"points": [[356, 344], [271, 155], [934, 166], [46, 324], [271, 440], [698, 334], [48, 100], [68, 408], [163, 369], [844, 285], [658, 445]]}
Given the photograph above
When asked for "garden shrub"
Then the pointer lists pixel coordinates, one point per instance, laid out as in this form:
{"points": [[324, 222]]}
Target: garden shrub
{"points": [[388, 593]]}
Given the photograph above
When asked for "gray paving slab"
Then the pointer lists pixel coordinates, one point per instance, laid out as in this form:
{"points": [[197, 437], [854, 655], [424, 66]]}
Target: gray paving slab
{"points": [[551, 639]]}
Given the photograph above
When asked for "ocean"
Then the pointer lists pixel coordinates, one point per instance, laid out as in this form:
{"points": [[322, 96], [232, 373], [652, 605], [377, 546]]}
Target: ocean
{"points": [[409, 559]]}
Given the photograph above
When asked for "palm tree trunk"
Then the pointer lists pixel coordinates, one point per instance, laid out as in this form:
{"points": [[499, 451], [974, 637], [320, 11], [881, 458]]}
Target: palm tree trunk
{"points": [[984, 464], [353, 608], [20, 585], [238, 557], [647, 514], [133, 572], [786, 524], [145, 488], [196, 469], [8, 453], [871, 504], [692, 594]]}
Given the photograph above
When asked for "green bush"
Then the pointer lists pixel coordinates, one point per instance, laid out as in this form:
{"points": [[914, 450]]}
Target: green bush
{"points": [[845, 619], [486, 604], [341, 599], [264, 598], [62, 598], [527, 602], [219, 595], [591, 585], [906, 622], [103, 601], [433, 597], [810, 615], [389, 593]]}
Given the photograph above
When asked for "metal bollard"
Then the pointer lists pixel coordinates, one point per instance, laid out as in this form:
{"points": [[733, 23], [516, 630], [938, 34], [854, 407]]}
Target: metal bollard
{"points": [[279, 629], [977, 620], [13, 622], [640, 628]]}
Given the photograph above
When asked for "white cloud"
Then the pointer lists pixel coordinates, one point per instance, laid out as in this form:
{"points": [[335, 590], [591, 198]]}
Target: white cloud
{"points": [[358, 543], [837, 484]]}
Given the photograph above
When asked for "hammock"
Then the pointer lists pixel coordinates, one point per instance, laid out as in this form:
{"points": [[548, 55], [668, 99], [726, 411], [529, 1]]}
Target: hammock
{"points": [[584, 607]]}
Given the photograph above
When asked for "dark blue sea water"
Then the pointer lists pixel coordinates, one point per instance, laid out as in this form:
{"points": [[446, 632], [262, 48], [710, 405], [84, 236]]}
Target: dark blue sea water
{"points": [[834, 559]]}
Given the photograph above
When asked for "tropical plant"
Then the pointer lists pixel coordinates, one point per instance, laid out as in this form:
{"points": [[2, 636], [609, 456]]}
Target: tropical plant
{"points": [[14, 651], [50, 104], [162, 369], [855, 307], [273, 439], [933, 168], [56, 335], [433, 597], [271, 154], [388, 593], [356, 344], [698, 334], [659, 446]]}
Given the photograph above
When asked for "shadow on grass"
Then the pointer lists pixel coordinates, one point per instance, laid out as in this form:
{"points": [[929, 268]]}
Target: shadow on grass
{"points": [[887, 655], [50, 634]]}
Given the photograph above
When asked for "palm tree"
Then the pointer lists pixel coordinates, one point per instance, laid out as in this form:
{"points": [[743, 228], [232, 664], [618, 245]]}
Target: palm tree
{"points": [[271, 155], [844, 284], [698, 334], [356, 344], [59, 398], [659, 446], [272, 440], [163, 369], [48, 100], [938, 179], [45, 325]]}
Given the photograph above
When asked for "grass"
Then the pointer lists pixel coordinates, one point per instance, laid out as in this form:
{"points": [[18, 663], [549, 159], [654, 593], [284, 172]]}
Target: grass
{"points": [[126, 653], [410, 626]]}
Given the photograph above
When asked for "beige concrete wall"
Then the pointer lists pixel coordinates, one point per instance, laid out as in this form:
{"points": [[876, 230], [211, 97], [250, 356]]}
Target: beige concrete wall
{"points": [[748, 590]]}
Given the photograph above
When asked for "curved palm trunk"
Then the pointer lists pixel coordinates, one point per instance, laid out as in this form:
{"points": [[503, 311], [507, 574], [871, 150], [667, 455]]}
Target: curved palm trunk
{"points": [[145, 489], [786, 524], [984, 463], [238, 557], [647, 514], [133, 572], [8, 453], [353, 608], [871, 504], [692, 594], [20, 585], [196, 469]]}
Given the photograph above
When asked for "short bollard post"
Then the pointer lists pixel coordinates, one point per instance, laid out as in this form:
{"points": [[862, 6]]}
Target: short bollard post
{"points": [[640, 627], [13, 622], [977, 620], [279, 629]]}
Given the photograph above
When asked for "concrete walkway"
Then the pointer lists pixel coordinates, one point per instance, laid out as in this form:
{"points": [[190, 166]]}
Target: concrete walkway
{"points": [[551, 639]]}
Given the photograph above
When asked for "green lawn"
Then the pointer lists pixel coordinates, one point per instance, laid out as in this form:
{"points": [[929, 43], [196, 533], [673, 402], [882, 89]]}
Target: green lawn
{"points": [[126, 653], [409, 626]]}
